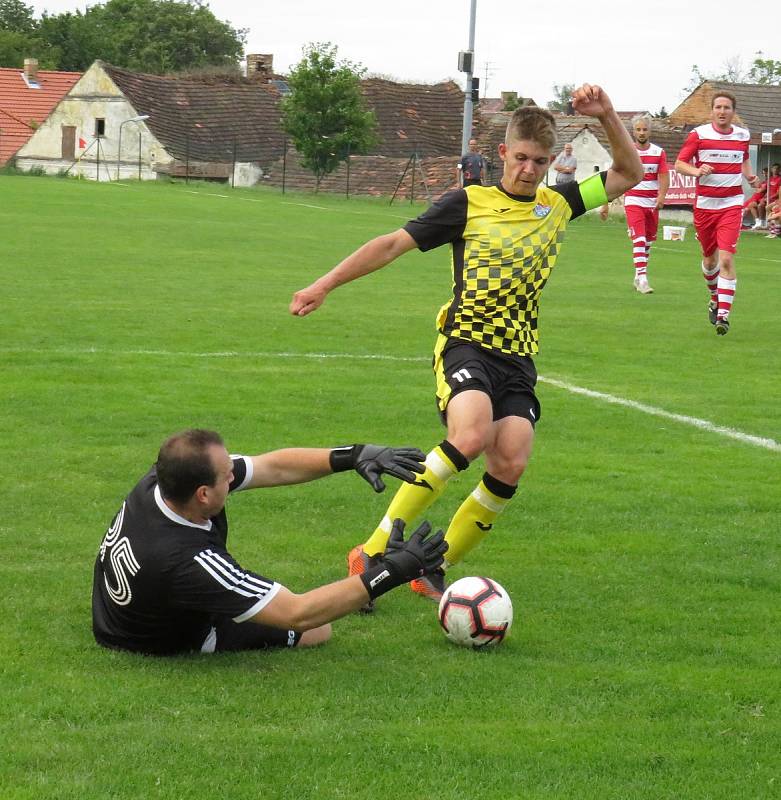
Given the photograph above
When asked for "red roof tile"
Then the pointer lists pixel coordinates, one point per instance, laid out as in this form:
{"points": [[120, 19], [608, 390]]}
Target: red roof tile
{"points": [[22, 108]]}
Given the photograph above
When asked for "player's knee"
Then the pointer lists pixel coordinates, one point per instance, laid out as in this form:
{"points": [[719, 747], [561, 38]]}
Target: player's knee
{"points": [[509, 469], [316, 636], [470, 443]]}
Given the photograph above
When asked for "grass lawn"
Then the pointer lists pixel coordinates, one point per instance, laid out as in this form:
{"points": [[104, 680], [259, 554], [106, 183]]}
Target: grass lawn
{"points": [[641, 552]]}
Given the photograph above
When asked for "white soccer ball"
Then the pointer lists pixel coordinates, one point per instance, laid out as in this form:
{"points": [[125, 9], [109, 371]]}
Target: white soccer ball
{"points": [[475, 612]]}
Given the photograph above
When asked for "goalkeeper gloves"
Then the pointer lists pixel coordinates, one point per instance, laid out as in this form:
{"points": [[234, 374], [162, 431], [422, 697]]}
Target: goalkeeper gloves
{"points": [[370, 461], [405, 561]]}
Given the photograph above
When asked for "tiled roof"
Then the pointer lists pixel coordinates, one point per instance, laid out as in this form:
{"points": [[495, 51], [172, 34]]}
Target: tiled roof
{"points": [[494, 104], [22, 108], [217, 114], [670, 139], [203, 121], [429, 116], [492, 128], [758, 106]]}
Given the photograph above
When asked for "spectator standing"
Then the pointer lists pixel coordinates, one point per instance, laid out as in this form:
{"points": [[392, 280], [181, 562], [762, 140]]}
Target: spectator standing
{"points": [[565, 165], [471, 167]]}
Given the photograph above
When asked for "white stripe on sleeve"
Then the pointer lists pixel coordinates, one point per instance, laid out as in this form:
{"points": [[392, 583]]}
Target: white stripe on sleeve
{"points": [[230, 578]]}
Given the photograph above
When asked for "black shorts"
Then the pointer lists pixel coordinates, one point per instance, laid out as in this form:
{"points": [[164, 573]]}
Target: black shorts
{"points": [[227, 635], [508, 381]]}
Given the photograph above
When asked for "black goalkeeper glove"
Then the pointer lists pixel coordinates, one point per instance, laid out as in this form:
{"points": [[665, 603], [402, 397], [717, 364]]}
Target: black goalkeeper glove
{"points": [[405, 561], [371, 460]]}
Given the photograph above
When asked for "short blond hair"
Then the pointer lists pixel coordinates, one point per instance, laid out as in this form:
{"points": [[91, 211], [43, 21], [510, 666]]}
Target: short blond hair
{"points": [[534, 124]]}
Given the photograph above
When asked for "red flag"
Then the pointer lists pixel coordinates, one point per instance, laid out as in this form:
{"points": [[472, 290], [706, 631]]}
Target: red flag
{"points": [[82, 143]]}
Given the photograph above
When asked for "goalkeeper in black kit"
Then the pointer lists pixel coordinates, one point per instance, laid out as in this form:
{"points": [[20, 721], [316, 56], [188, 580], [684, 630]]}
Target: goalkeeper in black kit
{"points": [[165, 583]]}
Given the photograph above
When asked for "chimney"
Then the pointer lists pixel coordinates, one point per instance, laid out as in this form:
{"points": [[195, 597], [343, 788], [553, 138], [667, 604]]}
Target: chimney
{"points": [[260, 66], [30, 70]]}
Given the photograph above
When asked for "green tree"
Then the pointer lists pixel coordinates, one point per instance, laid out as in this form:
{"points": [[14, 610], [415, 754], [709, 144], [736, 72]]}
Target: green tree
{"points": [[14, 48], [20, 39], [562, 97], [766, 71], [161, 36], [763, 70], [325, 114], [156, 36], [72, 39], [17, 17]]}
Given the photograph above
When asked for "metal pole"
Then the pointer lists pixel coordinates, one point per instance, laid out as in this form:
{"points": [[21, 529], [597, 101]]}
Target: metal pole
{"points": [[412, 186], [119, 147], [233, 171], [139, 154], [466, 131], [401, 180], [767, 186], [97, 169], [187, 159], [347, 191], [284, 165]]}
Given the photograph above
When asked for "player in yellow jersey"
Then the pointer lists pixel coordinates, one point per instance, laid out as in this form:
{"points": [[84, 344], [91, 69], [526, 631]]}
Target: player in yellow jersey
{"points": [[505, 240]]}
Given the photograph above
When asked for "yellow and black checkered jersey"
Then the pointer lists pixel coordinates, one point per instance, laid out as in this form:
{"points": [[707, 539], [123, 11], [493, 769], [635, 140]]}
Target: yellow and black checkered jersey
{"points": [[503, 250]]}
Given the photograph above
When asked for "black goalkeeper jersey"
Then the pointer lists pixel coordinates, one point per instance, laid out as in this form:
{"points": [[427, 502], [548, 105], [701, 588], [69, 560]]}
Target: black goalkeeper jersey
{"points": [[503, 250], [160, 580]]}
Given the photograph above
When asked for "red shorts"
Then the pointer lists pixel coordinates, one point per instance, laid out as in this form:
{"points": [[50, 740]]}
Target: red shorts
{"points": [[642, 222], [718, 230], [755, 198]]}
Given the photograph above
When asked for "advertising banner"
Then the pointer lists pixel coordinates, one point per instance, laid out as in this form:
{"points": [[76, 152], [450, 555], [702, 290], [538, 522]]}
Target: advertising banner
{"points": [[682, 190]]}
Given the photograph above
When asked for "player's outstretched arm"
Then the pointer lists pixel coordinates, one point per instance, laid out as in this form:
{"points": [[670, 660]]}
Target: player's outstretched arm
{"points": [[421, 554], [626, 170], [371, 256], [302, 464]]}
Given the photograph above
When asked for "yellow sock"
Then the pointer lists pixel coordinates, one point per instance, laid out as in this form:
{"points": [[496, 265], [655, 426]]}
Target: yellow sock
{"points": [[442, 463], [475, 517]]}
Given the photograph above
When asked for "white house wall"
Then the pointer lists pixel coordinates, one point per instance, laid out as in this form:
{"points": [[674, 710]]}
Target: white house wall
{"points": [[589, 153], [94, 96]]}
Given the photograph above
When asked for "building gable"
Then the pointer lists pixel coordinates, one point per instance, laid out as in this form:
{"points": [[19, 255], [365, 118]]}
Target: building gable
{"points": [[26, 103]]}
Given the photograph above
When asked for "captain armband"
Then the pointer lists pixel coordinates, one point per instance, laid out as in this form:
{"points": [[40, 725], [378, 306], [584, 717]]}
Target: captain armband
{"points": [[592, 191]]}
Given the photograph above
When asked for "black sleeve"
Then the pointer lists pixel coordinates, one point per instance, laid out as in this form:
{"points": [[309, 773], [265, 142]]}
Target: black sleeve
{"points": [[212, 581], [441, 223], [573, 194]]}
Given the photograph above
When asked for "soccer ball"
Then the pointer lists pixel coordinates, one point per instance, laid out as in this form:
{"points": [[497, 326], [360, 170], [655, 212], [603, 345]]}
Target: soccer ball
{"points": [[475, 612]]}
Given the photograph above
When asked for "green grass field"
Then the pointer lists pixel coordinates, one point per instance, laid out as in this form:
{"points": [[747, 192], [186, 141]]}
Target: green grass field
{"points": [[642, 551]]}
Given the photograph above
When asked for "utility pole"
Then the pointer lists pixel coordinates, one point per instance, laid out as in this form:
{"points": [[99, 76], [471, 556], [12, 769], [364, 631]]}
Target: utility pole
{"points": [[489, 73], [466, 64]]}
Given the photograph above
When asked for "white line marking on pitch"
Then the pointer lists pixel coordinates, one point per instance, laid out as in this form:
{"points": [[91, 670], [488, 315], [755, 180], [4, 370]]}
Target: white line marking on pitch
{"points": [[702, 424]]}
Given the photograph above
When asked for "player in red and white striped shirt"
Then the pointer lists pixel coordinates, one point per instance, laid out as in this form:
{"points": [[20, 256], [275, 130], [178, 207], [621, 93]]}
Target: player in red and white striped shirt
{"points": [[642, 203], [719, 151]]}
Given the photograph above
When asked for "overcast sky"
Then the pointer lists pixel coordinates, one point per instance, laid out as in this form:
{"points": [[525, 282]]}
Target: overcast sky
{"points": [[641, 53]]}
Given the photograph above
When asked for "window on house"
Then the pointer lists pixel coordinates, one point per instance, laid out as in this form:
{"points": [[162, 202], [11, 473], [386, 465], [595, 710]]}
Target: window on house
{"points": [[100, 127]]}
